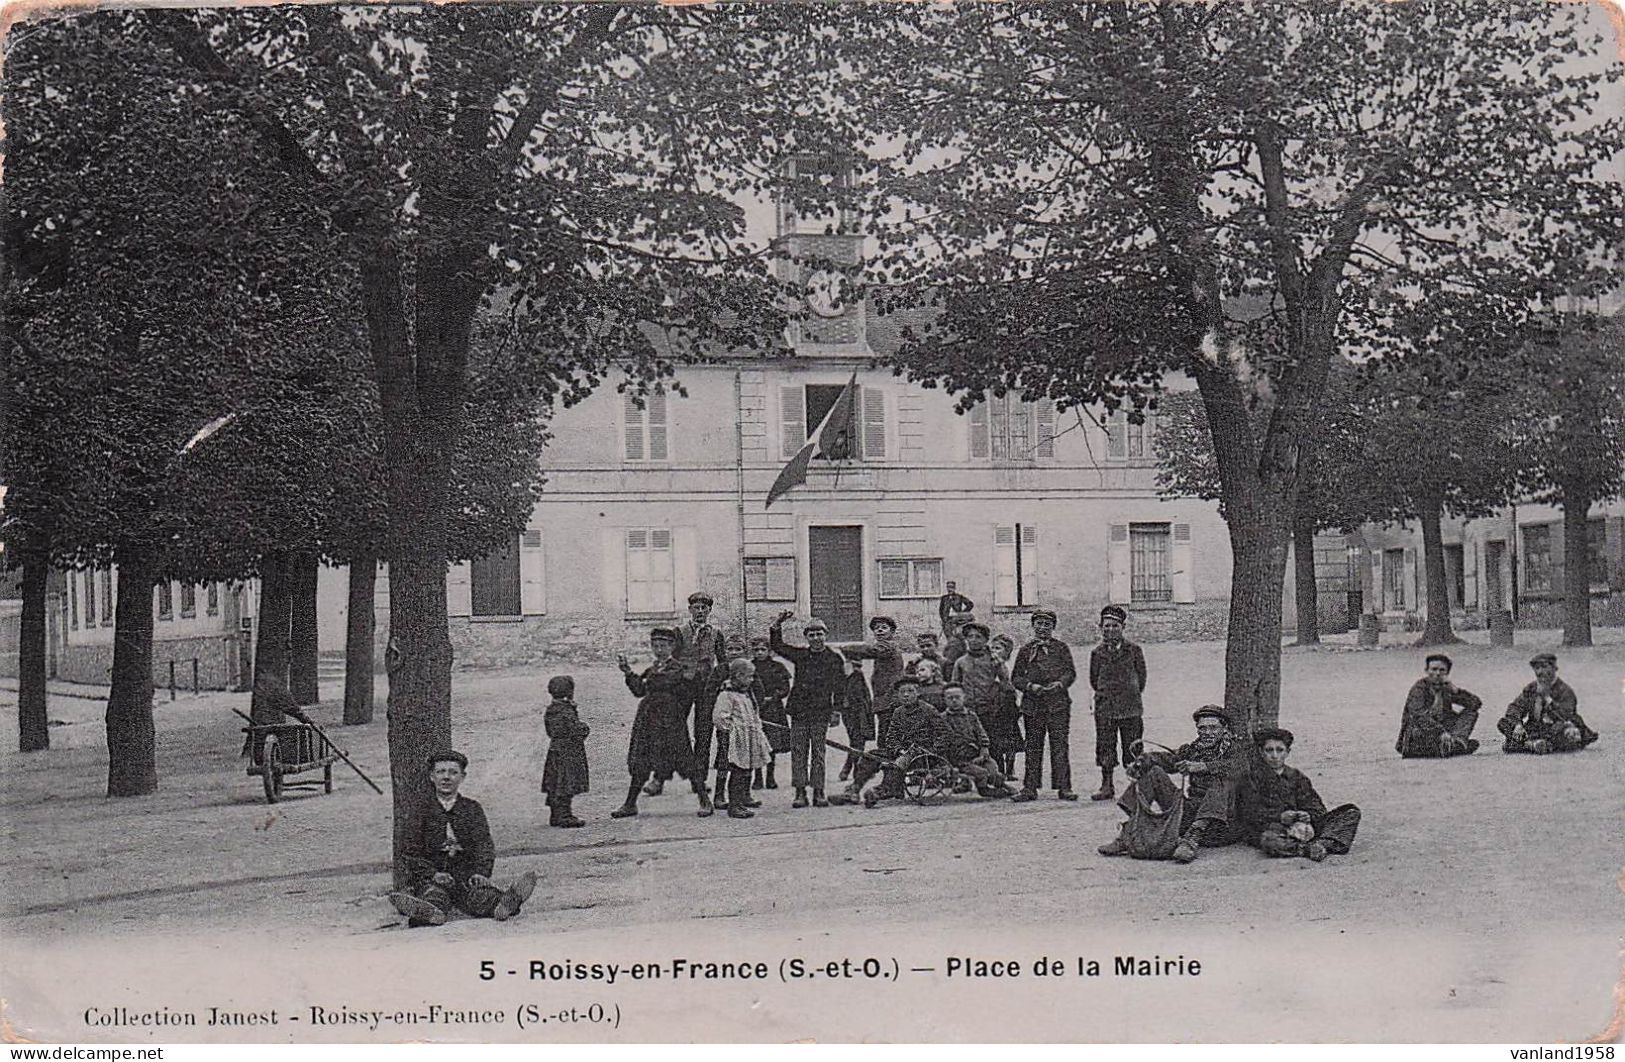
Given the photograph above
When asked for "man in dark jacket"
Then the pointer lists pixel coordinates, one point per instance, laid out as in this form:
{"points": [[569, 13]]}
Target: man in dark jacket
{"points": [[1439, 716], [916, 726], [1044, 673], [952, 603], [699, 650], [814, 704], [448, 855], [1545, 717], [1117, 674], [1164, 823], [1281, 812]]}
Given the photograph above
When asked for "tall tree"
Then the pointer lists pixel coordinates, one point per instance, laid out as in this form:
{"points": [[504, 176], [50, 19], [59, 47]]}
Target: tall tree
{"points": [[581, 159], [1573, 423], [1087, 190]]}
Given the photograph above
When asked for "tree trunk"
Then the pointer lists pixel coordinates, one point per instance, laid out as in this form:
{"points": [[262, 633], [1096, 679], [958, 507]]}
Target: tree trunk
{"points": [[275, 612], [1252, 654], [33, 727], [1576, 565], [422, 375], [358, 642], [1303, 561], [304, 647], [132, 764], [1437, 630]]}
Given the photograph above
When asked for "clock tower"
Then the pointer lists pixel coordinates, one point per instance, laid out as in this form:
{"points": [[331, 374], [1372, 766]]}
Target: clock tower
{"points": [[825, 250]]}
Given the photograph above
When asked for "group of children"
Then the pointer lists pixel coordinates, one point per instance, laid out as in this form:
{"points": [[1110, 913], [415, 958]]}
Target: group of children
{"points": [[982, 694]]}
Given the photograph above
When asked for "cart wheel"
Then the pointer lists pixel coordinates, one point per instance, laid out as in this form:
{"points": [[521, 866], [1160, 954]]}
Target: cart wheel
{"points": [[926, 775], [327, 778], [271, 769]]}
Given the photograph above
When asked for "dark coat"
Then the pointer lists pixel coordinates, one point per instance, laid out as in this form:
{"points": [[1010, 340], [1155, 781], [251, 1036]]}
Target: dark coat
{"points": [[774, 679], [456, 841], [1040, 663], [888, 658], [1541, 717], [698, 648], [660, 743], [1117, 675], [966, 738], [820, 678], [1266, 794], [857, 709], [564, 774], [1428, 710], [919, 724]]}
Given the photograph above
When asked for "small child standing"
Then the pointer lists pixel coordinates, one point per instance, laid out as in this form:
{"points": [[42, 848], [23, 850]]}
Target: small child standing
{"points": [[740, 722], [774, 679], [564, 774]]}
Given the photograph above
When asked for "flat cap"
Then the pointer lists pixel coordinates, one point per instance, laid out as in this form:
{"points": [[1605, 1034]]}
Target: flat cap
{"points": [[1044, 614], [700, 597], [1215, 711], [1543, 658], [815, 624], [447, 756], [880, 621], [668, 633], [1116, 612]]}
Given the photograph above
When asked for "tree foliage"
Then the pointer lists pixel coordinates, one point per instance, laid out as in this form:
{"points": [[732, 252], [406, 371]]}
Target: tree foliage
{"points": [[1088, 191]]}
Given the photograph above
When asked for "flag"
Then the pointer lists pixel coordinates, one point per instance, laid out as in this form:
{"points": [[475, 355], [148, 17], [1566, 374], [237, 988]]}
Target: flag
{"points": [[832, 439]]}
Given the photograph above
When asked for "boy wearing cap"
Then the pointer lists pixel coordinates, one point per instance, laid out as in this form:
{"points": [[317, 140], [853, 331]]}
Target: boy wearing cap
{"points": [[1167, 824], [916, 725], [857, 711], [564, 773], [814, 705], [773, 679], [1439, 716], [1117, 674], [659, 744], [883, 649], [447, 854], [1545, 717], [1044, 673], [699, 649], [1282, 815]]}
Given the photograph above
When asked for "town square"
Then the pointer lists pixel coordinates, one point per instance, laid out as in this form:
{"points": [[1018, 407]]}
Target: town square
{"points": [[1058, 521]]}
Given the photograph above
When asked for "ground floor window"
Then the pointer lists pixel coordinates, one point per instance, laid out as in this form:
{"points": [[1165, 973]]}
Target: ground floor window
{"points": [[1015, 567], [1150, 574], [1455, 574], [73, 601], [770, 578], [649, 589], [1597, 551], [911, 577], [1393, 576], [107, 597]]}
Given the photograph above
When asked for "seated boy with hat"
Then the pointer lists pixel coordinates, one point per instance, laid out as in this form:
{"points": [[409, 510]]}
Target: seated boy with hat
{"points": [[448, 855], [1165, 823], [1545, 717]]}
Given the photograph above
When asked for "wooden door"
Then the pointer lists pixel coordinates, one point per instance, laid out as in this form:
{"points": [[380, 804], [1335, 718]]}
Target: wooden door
{"points": [[835, 580]]}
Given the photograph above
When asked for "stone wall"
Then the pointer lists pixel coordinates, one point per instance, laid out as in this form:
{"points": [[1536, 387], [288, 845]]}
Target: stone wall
{"points": [[216, 656]]}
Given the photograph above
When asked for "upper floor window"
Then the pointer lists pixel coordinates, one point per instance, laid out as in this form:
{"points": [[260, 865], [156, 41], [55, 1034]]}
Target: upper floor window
{"points": [[212, 602], [107, 597], [188, 600], [1011, 429], [802, 408], [646, 428], [1127, 441], [166, 600]]}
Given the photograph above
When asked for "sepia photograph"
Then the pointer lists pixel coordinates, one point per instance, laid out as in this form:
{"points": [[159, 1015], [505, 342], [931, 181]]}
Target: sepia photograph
{"points": [[1041, 521]]}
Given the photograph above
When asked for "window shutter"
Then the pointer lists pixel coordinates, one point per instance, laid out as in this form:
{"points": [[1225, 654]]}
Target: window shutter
{"points": [[1614, 551], [1412, 600], [1378, 597], [1469, 576], [874, 423], [459, 590], [1181, 575], [656, 415], [73, 600], [1117, 437], [1029, 565], [792, 419], [638, 572], [1004, 566], [1021, 443], [1119, 581], [634, 430], [1554, 549], [532, 592], [978, 430], [685, 564], [1044, 414]]}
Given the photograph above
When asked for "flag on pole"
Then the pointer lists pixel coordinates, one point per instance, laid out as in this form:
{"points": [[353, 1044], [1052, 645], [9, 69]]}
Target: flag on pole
{"points": [[832, 439]]}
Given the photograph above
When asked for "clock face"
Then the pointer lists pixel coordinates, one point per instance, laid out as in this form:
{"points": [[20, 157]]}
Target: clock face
{"points": [[826, 293]]}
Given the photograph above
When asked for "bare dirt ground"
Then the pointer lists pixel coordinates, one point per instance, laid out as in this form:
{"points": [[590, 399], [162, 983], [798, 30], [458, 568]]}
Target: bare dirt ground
{"points": [[1482, 901]]}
